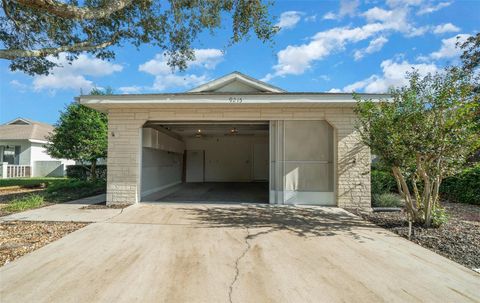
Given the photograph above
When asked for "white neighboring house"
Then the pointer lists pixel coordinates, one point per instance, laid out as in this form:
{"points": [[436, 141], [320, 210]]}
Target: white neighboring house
{"points": [[22, 151]]}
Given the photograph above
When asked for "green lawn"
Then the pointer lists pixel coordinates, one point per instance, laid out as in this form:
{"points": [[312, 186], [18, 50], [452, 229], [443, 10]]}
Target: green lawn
{"points": [[29, 182], [24, 203], [57, 190]]}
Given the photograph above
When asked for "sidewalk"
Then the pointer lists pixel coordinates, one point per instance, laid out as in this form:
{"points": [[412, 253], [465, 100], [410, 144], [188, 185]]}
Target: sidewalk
{"points": [[66, 212]]}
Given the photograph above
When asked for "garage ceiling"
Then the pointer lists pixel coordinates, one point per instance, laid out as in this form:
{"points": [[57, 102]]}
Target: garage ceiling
{"points": [[186, 129]]}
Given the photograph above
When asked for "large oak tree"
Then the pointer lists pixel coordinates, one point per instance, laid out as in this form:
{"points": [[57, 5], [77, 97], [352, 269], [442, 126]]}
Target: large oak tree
{"points": [[32, 32]]}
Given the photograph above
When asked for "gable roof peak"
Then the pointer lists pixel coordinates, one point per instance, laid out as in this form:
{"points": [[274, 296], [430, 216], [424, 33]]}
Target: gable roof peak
{"points": [[236, 82]]}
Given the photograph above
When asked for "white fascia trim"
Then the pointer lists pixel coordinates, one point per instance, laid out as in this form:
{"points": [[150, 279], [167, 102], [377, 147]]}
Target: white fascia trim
{"points": [[233, 98], [38, 141]]}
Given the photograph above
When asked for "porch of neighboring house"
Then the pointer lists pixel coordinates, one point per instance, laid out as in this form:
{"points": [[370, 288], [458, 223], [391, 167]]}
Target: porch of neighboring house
{"points": [[14, 171]]}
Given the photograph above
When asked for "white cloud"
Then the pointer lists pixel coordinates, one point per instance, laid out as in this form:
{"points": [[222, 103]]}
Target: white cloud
{"points": [[380, 23], [430, 8], [73, 75], [134, 89], [449, 48], [163, 82], [347, 8], [445, 28], [295, 60], [207, 58], [21, 87], [330, 16], [165, 78], [375, 45], [396, 3], [393, 76], [289, 20]]}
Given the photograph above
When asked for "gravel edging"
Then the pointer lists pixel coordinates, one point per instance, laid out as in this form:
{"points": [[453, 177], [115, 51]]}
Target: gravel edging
{"points": [[457, 240], [18, 238]]}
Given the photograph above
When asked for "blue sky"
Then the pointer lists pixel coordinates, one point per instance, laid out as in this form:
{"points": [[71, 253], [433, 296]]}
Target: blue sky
{"points": [[351, 45]]}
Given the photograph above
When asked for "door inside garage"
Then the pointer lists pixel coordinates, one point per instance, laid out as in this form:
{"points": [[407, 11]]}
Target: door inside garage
{"points": [[207, 162]]}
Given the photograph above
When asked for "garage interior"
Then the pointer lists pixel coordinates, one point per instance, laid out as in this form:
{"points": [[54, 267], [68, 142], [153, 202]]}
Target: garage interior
{"points": [[208, 162]]}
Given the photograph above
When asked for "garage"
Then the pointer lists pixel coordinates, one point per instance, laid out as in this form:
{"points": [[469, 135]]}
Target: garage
{"points": [[204, 161], [235, 139], [277, 162]]}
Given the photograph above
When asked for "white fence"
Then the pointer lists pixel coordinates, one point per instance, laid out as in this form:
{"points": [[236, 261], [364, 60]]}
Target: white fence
{"points": [[14, 171]]}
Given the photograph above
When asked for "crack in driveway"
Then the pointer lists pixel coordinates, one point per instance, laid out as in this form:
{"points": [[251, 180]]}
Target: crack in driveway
{"points": [[237, 261]]}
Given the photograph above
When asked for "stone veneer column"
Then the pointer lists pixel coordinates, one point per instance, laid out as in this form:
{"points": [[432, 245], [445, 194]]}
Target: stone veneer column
{"points": [[124, 152], [353, 161]]}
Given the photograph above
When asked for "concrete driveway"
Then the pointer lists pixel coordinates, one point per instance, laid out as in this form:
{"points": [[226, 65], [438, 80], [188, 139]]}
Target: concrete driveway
{"points": [[198, 253]]}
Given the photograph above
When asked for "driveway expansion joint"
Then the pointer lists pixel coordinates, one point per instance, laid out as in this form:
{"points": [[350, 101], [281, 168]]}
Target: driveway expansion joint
{"points": [[237, 261]]}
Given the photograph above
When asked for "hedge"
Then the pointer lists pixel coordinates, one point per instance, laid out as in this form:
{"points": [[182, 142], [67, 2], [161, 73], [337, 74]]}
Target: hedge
{"points": [[463, 187], [81, 172], [382, 182]]}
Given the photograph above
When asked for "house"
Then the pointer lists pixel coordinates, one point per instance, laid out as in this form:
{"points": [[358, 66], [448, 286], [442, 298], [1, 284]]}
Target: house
{"points": [[22, 151], [235, 139]]}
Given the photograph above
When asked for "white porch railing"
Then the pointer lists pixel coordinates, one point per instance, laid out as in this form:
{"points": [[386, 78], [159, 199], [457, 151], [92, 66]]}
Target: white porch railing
{"points": [[14, 171]]}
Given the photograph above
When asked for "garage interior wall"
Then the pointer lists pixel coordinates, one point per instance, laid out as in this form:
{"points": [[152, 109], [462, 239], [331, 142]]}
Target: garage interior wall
{"points": [[231, 158], [302, 162], [162, 161]]}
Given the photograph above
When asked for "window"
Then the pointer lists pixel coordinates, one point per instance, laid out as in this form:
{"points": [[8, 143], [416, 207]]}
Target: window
{"points": [[10, 154]]}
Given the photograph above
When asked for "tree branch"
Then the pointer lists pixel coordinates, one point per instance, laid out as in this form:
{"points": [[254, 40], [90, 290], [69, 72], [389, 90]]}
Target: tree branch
{"points": [[12, 54], [6, 9], [68, 11]]}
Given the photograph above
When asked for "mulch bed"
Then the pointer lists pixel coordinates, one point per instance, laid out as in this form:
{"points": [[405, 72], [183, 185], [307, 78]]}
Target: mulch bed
{"points": [[103, 205], [18, 238], [458, 239]]}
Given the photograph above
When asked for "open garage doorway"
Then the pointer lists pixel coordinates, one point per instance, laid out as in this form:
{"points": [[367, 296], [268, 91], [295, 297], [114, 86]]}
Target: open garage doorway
{"points": [[207, 162]]}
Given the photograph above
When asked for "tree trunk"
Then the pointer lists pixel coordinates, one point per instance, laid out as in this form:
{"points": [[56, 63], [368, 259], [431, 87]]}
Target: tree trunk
{"points": [[93, 170], [403, 187]]}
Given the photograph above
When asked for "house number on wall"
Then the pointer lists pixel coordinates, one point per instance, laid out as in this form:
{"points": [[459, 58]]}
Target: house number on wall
{"points": [[235, 100]]}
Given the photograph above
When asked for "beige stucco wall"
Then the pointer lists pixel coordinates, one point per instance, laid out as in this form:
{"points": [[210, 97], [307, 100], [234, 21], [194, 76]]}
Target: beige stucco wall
{"points": [[124, 150]]}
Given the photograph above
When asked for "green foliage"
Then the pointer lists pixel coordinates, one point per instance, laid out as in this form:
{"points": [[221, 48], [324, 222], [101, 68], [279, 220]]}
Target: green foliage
{"points": [[29, 182], [463, 187], [423, 133], [382, 182], [439, 216], [72, 189], [81, 134], [24, 203], [387, 200], [471, 52], [82, 173], [31, 31]]}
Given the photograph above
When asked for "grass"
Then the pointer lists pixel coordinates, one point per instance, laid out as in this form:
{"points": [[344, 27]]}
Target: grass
{"points": [[24, 203], [387, 200], [56, 190], [29, 182], [72, 189]]}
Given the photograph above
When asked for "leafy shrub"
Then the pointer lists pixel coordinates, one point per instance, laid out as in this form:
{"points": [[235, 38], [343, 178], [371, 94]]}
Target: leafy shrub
{"points": [[29, 182], [463, 187], [81, 172], [439, 216], [24, 203], [387, 200], [382, 182], [72, 189]]}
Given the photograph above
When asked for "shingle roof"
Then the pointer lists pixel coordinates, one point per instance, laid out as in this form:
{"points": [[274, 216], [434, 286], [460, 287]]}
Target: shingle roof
{"points": [[30, 130]]}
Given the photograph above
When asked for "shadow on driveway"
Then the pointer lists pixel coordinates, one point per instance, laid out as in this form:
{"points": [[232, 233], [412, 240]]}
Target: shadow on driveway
{"points": [[301, 221]]}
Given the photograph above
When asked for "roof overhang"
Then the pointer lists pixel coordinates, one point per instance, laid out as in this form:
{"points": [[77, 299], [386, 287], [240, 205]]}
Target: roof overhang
{"points": [[104, 102]]}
